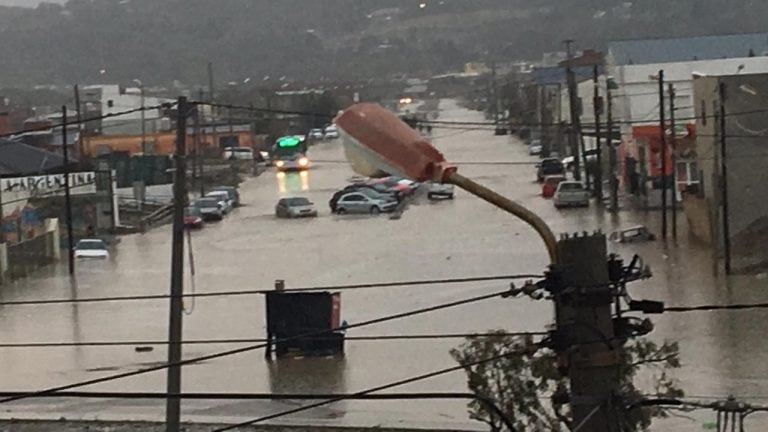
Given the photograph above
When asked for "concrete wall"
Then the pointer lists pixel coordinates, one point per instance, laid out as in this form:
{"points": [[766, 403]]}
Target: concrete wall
{"points": [[29, 255], [3, 262], [746, 159], [697, 212]]}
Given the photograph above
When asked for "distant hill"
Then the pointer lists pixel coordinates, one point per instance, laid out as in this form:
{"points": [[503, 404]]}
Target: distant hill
{"points": [[159, 41]]}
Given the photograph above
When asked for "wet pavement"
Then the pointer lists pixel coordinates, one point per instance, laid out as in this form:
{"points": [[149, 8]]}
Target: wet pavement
{"points": [[722, 352]]}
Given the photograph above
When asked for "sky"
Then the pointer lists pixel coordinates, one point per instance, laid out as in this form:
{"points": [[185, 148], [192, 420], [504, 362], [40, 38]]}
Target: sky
{"points": [[27, 3]]}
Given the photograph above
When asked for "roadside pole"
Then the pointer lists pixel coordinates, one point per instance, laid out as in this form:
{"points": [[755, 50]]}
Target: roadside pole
{"points": [[724, 181], [173, 404], [597, 104], [611, 150], [80, 149], [663, 143], [67, 197], [574, 128], [200, 153], [583, 300], [673, 142]]}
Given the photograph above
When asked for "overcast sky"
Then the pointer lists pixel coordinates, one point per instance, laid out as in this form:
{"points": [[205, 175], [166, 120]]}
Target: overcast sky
{"points": [[27, 3]]}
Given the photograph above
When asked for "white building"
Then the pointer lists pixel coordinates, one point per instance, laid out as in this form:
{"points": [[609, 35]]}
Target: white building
{"points": [[634, 66], [113, 99]]}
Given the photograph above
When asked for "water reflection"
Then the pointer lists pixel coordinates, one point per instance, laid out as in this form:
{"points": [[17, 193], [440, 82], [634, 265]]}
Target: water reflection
{"points": [[292, 182], [313, 375], [308, 375]]}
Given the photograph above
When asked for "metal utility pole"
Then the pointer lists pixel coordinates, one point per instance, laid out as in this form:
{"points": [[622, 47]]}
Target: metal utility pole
{"points": [[80, 150], [611, 150], [583, 300], [598, 109], [232, 129], [173, 404], [494, 95], [663, 143], [67, 197], [143, 123], [2, 225], [724, 181], [673, 141], [575, 126], [199, 149]]}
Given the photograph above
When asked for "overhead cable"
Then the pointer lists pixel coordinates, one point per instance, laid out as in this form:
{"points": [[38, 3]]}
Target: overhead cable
{"points": [[347, 287], [250, 348]]}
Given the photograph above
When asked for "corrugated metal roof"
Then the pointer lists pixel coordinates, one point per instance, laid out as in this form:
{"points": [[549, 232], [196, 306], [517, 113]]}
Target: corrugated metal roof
{"points": [[556, 74], [649, 51], [21, 159]]}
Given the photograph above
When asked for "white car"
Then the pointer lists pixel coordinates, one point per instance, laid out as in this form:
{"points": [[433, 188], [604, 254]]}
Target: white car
{"points": [[535, 148], [238, 153], [571, 193], [316, 134], [91, 248], [440, 190], [224, 198], [358, 202], [331, 132]]}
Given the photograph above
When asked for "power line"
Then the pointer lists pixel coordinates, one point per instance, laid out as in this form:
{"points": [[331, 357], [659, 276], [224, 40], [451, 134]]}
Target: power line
{"points": [[743, 306], [85, 120], [489, 403], [251, 341], [399, 383], [241, 350], [254, 292], [490, 125]]}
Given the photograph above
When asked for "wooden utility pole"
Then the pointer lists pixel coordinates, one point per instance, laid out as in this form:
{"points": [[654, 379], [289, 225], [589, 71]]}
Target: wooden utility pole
{"points": [[173, 404], [598, 109], [663, 143], [67, 197], [614, 181], [575, 126], [724, 181], [585, 332], [80, 150], [199, 150], [673, 142]]}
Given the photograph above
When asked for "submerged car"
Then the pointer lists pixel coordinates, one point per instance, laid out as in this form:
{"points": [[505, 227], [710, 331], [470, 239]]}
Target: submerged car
{"points": [[91, 248], [550, 184], [440, 190], [535, 148], [571, 193], [237, 153], [331, 132], [549, 166], [234, 195], [193, 218], [358, 202], [295, 207], [316, 134], [224, 197], [210, 208], [633, 234]]}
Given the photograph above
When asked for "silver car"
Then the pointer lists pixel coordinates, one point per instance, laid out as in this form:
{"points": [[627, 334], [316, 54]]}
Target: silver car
{"points": [[295, 207], [357, 202], [571, 193], [210, 208]]}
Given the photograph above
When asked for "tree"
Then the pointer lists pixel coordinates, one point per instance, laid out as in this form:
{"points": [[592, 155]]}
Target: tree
{"points": [[524, 377]]}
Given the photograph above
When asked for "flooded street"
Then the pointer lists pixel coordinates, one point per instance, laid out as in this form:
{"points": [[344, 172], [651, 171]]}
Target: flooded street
{"points": [[722, 352]]}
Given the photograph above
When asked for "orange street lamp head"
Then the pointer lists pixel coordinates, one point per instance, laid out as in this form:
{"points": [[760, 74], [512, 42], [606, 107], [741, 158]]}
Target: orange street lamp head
{"points": [[377, 143]]}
